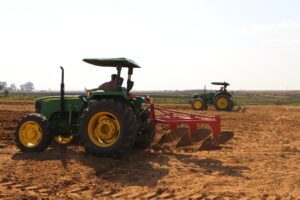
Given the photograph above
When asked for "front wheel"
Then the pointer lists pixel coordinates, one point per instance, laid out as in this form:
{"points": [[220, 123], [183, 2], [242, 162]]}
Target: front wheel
{"points": [[31, 133], [108, 128], [223, 103], [199, 104]]}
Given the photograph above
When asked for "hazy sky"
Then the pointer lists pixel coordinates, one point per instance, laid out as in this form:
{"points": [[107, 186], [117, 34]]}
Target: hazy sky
{"points": [[180, 44]]}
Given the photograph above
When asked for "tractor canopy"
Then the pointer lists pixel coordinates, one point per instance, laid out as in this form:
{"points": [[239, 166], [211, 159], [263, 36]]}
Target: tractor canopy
{"points": [[112, 62], [220, 83], [119, 63]]}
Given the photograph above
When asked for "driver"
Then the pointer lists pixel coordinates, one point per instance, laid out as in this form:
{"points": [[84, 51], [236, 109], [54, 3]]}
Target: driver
{"points": [[107, 86]]}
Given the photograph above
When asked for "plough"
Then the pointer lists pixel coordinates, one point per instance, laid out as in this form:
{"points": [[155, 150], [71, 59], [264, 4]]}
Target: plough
{"points": [[175, 118]]}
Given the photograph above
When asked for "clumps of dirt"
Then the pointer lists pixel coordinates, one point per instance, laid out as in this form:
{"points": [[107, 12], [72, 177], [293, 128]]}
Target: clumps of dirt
{"points": [[186, 140], [195, 137], [173, 137], [8, 123], [200, 134], [209, 144], [240, 108], [167, 137], [225, 137], [200, 139]]}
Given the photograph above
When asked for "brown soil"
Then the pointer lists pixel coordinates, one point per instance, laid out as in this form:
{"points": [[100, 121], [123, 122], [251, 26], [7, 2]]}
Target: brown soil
{"points": [[259, 158]]}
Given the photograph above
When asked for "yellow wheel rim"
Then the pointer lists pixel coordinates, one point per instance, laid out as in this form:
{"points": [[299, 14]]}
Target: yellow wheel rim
{"points": [[104, 129], [30, 134], [197, 104], [63, 140], [222, 102]]}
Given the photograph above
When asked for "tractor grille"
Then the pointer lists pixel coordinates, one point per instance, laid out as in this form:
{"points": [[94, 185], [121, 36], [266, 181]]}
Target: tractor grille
{"points": [[38, 107]]}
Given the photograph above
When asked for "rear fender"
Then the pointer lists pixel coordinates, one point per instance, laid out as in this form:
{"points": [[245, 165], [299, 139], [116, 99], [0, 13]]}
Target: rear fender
{"points": [[135, 103], [111, 94]]}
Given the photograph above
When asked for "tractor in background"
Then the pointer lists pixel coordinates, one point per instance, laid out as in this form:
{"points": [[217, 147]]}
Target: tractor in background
{"points": [[221, 99]]}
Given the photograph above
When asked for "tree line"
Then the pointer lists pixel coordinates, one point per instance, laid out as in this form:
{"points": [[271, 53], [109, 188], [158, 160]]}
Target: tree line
{"points": [[28, 86]]}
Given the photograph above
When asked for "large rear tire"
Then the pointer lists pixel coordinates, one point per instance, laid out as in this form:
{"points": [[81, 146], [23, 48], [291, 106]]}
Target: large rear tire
{"points": [[199, 104], [223, 103], [108, 128], [31, 133]]}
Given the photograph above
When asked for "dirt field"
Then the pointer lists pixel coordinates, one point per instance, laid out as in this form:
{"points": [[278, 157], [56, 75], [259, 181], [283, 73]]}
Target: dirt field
{"points": [[261, 161]]}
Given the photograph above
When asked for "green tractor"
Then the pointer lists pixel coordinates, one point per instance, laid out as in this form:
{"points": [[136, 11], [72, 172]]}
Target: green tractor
{"points": [[222, 99], [107, 123]]}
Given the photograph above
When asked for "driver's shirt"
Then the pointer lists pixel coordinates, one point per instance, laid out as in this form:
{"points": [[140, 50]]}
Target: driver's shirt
{"points": [[108, 86]]}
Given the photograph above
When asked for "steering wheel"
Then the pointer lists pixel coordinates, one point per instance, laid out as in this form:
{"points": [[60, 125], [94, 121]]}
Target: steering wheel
{"points": [[83, 98]]}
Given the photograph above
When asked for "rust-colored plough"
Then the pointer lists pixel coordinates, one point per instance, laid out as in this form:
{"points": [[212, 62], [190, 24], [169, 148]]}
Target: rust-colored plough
{"points": [[175, 119]]}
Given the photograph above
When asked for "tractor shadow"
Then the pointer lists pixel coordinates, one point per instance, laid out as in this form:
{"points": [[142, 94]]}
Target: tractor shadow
{"points": [[210, 166], [135, 168], [206, 166]]}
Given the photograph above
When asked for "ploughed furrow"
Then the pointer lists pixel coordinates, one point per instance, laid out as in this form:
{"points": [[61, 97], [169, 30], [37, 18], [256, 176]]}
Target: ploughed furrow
{"points": [[8, 122]]}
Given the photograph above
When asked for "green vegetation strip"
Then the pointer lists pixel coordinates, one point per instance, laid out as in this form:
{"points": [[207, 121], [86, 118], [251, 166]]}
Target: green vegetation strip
{"points": [[19, 97], [243, 100]]}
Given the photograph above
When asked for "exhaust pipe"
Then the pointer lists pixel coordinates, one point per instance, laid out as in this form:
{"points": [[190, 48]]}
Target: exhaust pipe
{"points": [[62, 93]]}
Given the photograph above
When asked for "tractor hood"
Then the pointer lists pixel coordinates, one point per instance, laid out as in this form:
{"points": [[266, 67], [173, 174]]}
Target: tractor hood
{"points": [[112, 62]]}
